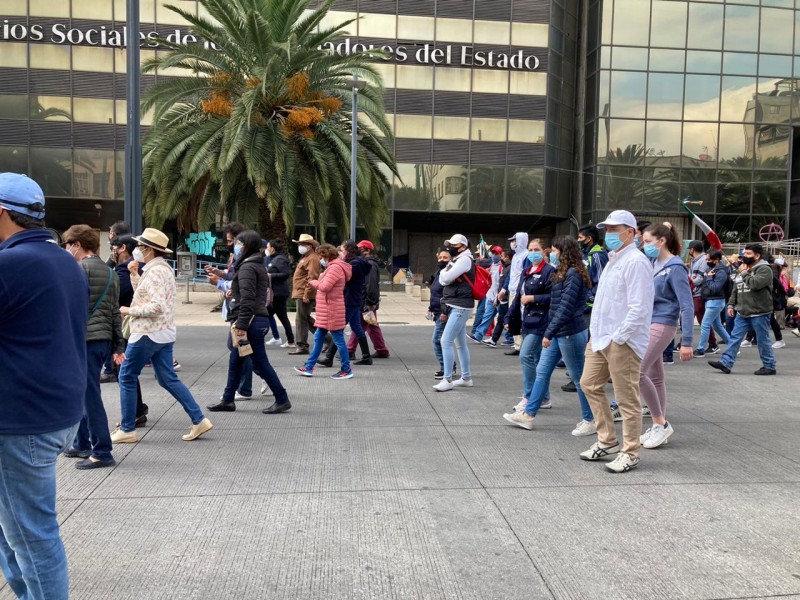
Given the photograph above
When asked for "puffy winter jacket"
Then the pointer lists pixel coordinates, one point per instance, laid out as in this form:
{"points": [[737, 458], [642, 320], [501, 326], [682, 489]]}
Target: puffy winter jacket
{"points": [[330, 295], [105, 323], [567, 305], [248, 291], [534, 314], [279, 271], [435, 305]]}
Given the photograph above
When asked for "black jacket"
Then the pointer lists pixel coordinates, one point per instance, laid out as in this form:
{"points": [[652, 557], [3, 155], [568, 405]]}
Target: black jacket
{"points": [[280, 271], [105, 323], [567, 305], [354, 288], [534, 316], [435, 305], [125, 286], [714, 287], [372, 284], [249, 292]]}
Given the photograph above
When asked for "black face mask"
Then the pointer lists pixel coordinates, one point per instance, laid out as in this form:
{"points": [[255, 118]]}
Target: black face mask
{"points": [[454, 251], [442, 264], [749, 260], [711, 265]]}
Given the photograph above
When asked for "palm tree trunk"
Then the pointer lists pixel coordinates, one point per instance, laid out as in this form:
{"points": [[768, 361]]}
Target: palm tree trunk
{"points": [[272, 229]]}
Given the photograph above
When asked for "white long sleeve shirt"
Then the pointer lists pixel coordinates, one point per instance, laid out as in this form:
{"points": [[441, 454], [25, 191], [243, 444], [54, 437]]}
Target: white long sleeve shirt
{"points": [[623, 305]]}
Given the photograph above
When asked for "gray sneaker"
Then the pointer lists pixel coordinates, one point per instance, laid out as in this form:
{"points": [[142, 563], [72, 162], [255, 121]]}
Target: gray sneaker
{"points": [[623, 463]]}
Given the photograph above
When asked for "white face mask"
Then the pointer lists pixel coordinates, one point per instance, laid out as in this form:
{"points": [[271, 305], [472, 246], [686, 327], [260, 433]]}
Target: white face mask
{"points": [[137, 255], [302, 249]]}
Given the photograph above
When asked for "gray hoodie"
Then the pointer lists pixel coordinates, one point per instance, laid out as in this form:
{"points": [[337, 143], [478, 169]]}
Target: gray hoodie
{"points": [[520, 254]]}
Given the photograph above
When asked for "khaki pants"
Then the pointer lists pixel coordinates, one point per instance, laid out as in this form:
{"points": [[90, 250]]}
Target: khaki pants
{"points": [[623, 365], [303, 323]]}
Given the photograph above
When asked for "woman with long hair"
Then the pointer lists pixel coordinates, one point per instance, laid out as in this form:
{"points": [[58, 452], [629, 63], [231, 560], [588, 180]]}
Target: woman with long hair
{"points": [[249, 315], [350, 253], [279, 273], [566, 334], [530, 307], [330, 311], [672, 301]]}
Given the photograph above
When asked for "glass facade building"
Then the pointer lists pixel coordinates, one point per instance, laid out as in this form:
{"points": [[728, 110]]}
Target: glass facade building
{"points": [[508, 114]]}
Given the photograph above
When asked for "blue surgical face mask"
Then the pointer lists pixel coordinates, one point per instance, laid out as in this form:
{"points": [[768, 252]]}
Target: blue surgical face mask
{"points": [[237, 251], [651, 251], [535, 257], [495, 259], [637, 241], [323, 262], [612, 241], [554, 259]]}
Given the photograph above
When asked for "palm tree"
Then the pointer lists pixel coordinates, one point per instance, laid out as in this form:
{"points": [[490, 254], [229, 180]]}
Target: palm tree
{"points": [[263, 126]]}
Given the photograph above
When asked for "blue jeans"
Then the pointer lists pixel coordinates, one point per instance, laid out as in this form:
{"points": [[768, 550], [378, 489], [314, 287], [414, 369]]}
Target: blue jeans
{"points": [[258, 360], [352, 315], [319, 341], [436, 341], [455, 336], [93, 431], [529, 354], [31, 553], [478, 318], [273, 327], [711, 319], [502, 311], [138, 354], [729, 322], [758, 325], [572, 349], [488, 314]]}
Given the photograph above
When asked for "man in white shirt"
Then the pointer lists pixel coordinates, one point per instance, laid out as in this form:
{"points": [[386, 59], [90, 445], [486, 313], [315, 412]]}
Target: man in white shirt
{"points": [[620, 332]]}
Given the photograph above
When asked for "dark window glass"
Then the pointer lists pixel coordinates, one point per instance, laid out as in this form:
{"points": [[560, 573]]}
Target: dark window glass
{"points": [[699, 61], [94, 173], [701, 97], [770, 196], [667, 60], [487, 187], [421, 187], [14, 159], [626, 140], [660, 190], [525, 190], [772, 146], [776, 31], [740, 23], [733, 228], [665, 96], [733, 191], [674, 14], [623, 187], [697, 185], [52, 170], [14, 106], [628, 94], [768, 226]]}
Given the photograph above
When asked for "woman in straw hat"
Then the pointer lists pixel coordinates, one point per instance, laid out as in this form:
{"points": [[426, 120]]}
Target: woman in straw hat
{"points": [[152, 337]]}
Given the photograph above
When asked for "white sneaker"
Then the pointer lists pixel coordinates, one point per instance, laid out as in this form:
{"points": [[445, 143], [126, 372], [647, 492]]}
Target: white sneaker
{"points": [[443, 386], [598, 451], [746, 344], [265, 391], [645, 435], [288, 345], [523, 402], [548, 403], [646, 411], [779, 344], [123, 437], [274, 342], [238, 396], [616, 415], [463, 382], [658, 436], [520, 419], [623, 463], [584, 428]]}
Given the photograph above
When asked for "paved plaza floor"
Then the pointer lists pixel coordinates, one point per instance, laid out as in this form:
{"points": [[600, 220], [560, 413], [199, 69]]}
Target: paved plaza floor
{"points": [[380, 487]]}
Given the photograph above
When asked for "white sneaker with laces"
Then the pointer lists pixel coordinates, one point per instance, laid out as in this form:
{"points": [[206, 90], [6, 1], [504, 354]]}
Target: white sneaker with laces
{"points": [[238, 396], [520, 419], [623, 463], [461, 382], [443, 386], [645, 435], [616, 415], [659, 434], [645, 411], [598, 451], [274, 342], [288, 345], [265, 391], [779, 344], [584, 428], [546, 403], [746, 344], [521, 405]]}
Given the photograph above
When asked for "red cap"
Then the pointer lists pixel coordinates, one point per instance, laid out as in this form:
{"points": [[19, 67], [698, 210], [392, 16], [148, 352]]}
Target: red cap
{"points": [[366, 244], [496, 250]]}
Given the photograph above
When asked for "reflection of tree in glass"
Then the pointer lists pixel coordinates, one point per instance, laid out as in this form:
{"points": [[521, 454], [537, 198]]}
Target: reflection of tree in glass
{"points": [[420, 195], [632, 185], [486, 189], [39, 113], [527, 185]]}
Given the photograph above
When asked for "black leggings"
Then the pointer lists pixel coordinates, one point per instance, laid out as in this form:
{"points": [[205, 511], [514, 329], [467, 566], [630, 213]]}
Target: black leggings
{"points": [[776, 330], [279, 309]]}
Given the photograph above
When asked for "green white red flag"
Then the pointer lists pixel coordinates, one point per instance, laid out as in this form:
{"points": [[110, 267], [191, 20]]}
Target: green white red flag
{"points": [[711, 235]]}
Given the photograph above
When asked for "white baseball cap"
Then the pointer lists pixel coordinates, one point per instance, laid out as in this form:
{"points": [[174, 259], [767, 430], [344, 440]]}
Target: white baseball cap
{"points": [[779, 261], [619, 217], [457, 240]]}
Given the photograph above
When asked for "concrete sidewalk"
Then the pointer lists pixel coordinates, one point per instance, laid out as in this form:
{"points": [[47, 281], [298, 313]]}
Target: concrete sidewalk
{"points": [[379, 487]]}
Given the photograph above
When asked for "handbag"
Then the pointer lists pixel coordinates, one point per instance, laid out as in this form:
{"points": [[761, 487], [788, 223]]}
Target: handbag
{"points": [[126, 327], [241, 343], [270, 293]]}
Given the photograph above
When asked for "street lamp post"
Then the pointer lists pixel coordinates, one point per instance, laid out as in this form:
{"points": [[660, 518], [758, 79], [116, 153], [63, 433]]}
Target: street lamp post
{"points": [[356, 84], [133, 142]]}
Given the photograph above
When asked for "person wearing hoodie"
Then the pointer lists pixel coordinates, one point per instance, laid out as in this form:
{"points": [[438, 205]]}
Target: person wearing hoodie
{"points": [[565, 335], [501, 301], [331, 311], [457, 304], [715, 284], [435, 311], [751, 301], [354, 291], [490, 308], [672, 299], [530, 308], [519, 244], [697, 272]]}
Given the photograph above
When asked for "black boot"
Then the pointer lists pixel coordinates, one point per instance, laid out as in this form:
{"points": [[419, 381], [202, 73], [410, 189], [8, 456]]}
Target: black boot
{"points": [[329, 356], [364, 345]]}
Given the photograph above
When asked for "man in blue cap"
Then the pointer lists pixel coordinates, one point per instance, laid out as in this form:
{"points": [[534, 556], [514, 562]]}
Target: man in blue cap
{"points": [[44, 295]]}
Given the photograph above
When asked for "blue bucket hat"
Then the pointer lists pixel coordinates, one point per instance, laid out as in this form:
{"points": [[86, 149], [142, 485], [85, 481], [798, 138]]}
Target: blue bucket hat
{"points": [[21, 194]]}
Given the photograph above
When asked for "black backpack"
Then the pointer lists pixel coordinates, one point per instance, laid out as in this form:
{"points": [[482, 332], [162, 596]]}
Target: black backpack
{"points": [[778, 293]]}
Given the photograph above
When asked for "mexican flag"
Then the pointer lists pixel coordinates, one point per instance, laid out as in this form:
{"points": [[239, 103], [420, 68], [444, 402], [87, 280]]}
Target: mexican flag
{"points": [[710, 234]]}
